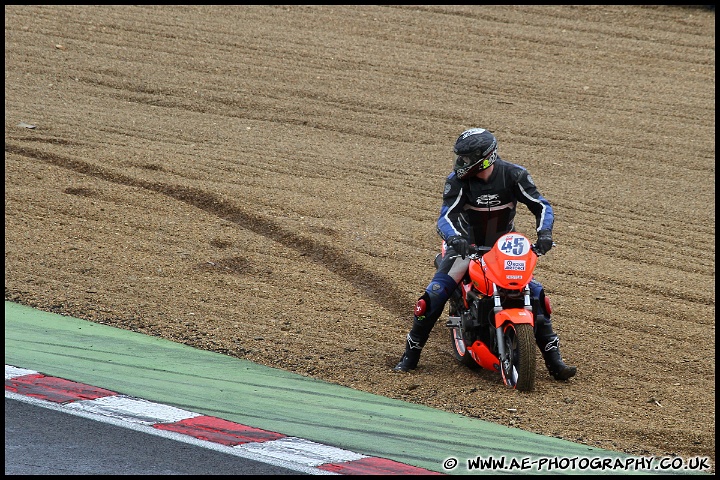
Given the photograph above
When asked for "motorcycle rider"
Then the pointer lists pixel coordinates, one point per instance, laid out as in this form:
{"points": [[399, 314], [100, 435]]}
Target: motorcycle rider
{"points": [[479, 205]]}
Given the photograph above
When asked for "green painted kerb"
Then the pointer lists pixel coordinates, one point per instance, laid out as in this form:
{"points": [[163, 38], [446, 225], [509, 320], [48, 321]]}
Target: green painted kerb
{"points": [[237, 390]]}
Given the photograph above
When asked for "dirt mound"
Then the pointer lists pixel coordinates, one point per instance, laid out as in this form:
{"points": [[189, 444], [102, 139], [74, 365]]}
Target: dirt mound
{"points": [[263, 181]]}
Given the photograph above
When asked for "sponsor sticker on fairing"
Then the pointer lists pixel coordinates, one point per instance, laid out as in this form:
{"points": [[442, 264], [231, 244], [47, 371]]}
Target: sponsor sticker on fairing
{"points": [[518, 265]]}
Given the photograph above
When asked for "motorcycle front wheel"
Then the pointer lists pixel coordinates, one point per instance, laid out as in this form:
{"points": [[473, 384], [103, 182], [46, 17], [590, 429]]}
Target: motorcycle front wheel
{"points": [[520, 343]]}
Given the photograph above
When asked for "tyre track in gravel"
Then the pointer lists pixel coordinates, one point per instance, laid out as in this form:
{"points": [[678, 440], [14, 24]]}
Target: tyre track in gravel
{"points": [[379, 289]]}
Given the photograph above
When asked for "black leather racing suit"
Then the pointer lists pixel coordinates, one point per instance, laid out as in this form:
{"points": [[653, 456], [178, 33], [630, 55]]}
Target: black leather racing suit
{"points": [[482, 212]]}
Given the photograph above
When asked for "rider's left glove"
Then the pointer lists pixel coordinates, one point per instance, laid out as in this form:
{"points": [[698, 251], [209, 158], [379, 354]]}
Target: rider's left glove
{"points": [[544, 242]]}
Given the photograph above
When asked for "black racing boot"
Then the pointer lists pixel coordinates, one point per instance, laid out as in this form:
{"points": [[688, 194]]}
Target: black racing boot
{"points": [[554, 362], [411, 356]]}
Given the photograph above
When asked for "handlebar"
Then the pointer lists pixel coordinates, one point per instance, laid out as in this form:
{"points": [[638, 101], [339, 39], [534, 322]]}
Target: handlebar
{"points": [[477, 251]]}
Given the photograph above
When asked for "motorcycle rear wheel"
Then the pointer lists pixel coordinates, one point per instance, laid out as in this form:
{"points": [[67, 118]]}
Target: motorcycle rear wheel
{"points": [[460, 342], [520, 342]]}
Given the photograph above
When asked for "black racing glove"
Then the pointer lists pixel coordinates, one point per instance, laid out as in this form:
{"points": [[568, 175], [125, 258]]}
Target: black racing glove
{"points": [[459, 244], [544, 242]]}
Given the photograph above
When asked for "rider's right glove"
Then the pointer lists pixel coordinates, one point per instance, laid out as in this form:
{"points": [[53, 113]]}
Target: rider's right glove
{"points": [[459, 244], [544, 242]]}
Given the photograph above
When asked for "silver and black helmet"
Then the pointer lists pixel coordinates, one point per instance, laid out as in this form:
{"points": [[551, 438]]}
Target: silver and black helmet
{"points": [[476, 150]]}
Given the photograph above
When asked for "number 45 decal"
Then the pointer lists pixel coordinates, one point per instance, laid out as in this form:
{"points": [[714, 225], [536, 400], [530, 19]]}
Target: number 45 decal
{"points": [[513, 245]]}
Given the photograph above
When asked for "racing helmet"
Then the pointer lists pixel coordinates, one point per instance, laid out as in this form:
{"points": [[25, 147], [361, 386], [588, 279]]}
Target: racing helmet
{"points": [[476, 150]]}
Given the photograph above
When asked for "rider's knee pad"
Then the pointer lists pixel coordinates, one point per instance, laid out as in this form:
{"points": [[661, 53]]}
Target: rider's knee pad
{"points": [[544, 302], [441, 286], [439, 290], [422, 305], [541, 302], [429, 304], [432, 302]]}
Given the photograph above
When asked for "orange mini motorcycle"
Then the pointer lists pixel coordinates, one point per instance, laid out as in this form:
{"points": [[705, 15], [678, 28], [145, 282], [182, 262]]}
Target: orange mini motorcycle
{"points": [[490, 314]]}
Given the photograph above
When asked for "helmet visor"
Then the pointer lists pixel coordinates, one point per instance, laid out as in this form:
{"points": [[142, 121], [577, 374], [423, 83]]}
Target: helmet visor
{"points": [[470, 158], [473, 162]]}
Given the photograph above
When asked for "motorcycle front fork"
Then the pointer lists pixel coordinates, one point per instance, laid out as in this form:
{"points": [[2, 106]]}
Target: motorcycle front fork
{"points": [[504, 355]]}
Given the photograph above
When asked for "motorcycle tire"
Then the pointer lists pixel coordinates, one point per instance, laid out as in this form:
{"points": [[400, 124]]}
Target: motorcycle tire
{"points": [[520, 341], [459, 343]]}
